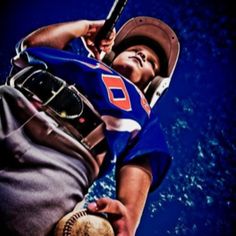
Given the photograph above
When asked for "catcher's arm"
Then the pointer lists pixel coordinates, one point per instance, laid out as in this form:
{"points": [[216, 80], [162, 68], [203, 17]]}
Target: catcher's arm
{"points": [[133, 183], [59, 35]]}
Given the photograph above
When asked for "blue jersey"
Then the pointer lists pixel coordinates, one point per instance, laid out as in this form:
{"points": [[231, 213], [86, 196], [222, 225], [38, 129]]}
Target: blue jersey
{"points": [[131, 129]]}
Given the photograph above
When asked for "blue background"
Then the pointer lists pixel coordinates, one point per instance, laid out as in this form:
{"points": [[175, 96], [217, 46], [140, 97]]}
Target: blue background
{"points": [[197, 114]]}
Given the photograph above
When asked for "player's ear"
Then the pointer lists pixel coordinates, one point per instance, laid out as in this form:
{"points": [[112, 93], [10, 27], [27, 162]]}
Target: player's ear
{"points": [[108, 58]]}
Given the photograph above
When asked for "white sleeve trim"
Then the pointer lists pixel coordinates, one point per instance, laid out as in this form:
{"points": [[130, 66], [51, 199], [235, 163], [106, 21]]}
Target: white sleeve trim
{"points": [[117, 124]]}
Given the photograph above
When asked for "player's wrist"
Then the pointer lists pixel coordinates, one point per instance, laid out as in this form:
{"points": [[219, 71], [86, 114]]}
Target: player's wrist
{"points": [[83, 28]]}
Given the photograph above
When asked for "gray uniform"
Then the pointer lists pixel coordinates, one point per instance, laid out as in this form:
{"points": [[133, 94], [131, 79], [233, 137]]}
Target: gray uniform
{"points": [[41, 179]]}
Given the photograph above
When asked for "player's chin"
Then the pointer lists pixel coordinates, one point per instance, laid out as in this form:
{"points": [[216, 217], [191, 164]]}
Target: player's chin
{"points": [[134, 77]]}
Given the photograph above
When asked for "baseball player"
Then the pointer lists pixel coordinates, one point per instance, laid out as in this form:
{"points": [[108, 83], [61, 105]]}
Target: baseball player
{"points": [[66, 120]]}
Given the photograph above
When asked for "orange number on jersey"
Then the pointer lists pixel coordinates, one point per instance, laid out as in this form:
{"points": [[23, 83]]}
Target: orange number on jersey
{"points": [[116, 83]]}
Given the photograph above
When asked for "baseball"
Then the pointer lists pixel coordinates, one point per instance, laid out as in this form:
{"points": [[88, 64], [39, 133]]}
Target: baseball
{"points": [[82, 224]]}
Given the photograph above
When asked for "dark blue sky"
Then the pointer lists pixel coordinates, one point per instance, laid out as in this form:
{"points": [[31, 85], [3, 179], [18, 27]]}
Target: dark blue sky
{"points": [[197, 114]]}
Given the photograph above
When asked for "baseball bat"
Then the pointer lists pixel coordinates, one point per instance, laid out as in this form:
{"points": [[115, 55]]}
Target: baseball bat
{"points": [[112, 18]]}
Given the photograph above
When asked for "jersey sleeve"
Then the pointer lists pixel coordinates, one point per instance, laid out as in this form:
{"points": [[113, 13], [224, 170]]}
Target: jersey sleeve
{"points": [[76, 46], [151, 144]]}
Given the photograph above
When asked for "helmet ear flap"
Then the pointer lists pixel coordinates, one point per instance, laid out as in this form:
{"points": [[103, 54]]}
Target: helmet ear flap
{"points": [[108, 58], [156, 88]]}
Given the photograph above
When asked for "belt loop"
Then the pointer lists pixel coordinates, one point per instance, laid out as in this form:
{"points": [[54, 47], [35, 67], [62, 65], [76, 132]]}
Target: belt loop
{"points": [[94, 137]]}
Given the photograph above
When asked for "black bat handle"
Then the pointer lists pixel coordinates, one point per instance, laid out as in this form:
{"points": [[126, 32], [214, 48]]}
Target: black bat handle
{"points": [[110, 22]]}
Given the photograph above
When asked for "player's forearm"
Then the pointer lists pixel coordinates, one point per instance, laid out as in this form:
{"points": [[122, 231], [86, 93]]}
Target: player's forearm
{"points": [[132, 190], [56, 35]]}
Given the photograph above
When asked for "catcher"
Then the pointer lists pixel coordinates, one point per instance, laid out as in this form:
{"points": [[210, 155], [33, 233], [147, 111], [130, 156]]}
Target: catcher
{"points": [[66, 120]]}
